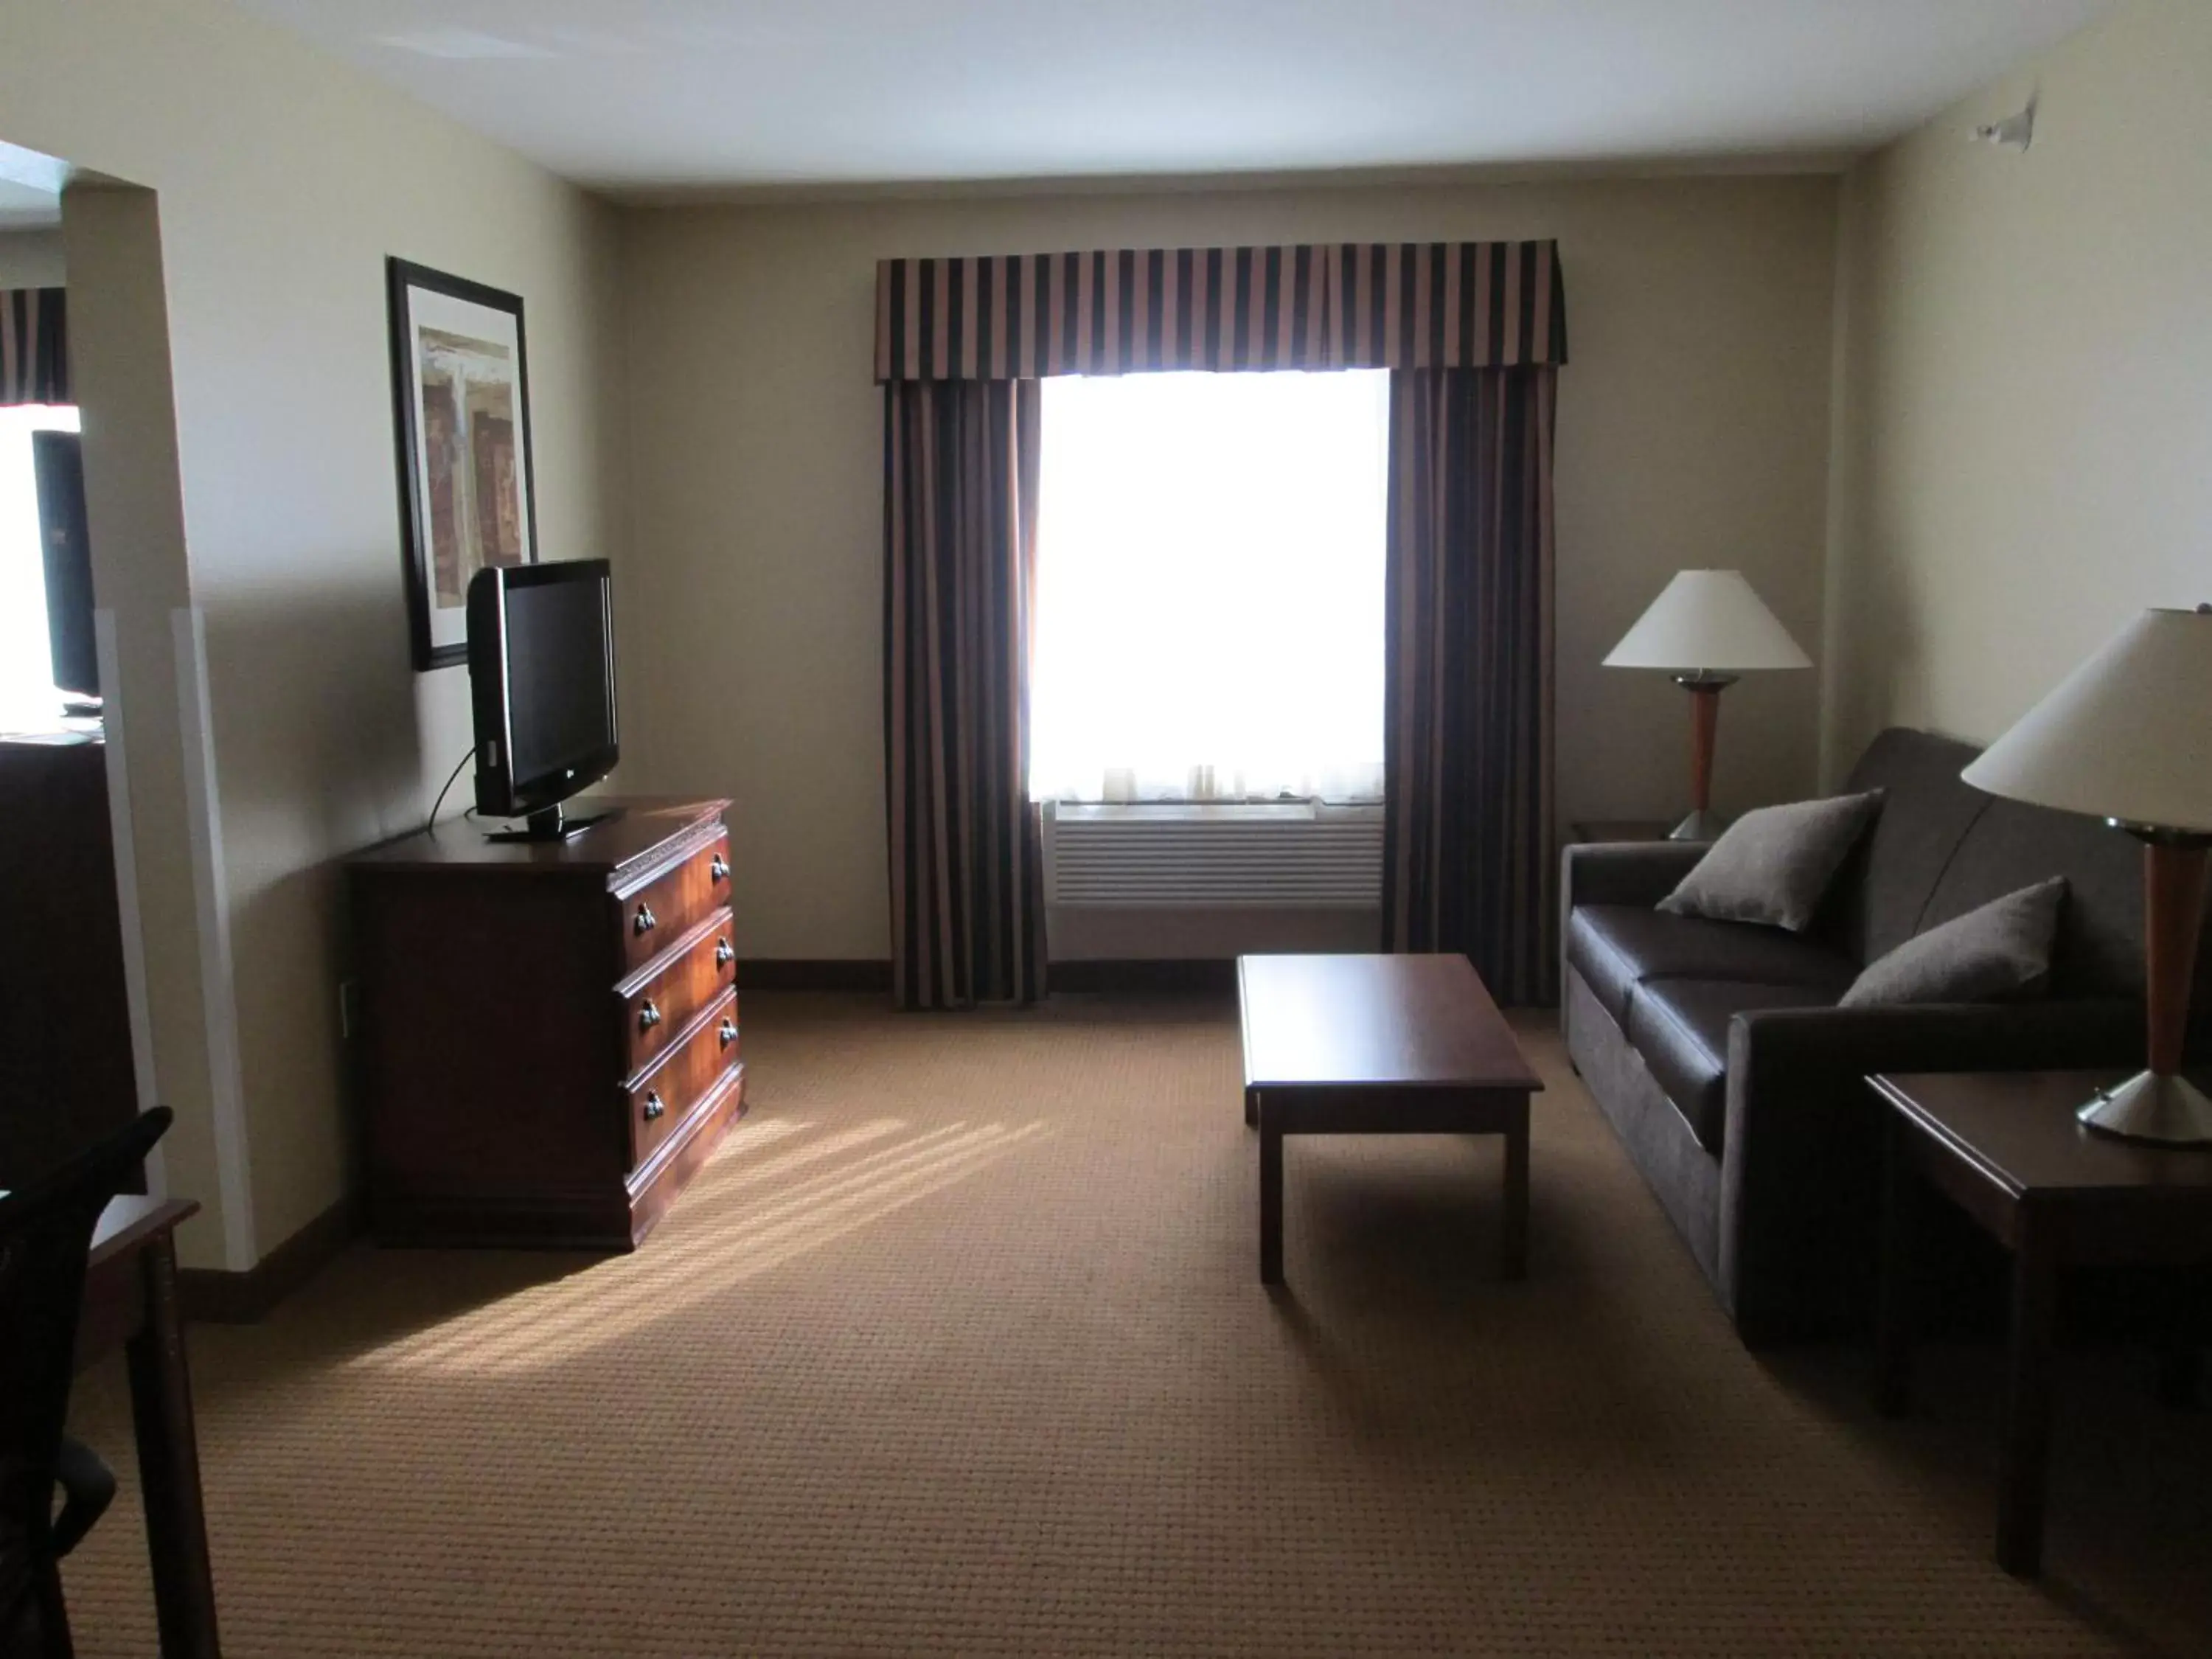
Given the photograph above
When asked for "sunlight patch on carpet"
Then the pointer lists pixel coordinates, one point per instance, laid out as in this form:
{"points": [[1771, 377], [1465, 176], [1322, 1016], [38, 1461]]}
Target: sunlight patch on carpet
{"points": [[720, 1236]]}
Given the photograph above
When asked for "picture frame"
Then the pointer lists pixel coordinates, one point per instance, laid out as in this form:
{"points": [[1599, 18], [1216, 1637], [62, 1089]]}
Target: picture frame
{"points": [[460, 396]]}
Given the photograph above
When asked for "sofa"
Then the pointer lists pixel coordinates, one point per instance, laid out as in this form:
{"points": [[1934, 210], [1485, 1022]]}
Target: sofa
{"points": [[1717, 1054]]}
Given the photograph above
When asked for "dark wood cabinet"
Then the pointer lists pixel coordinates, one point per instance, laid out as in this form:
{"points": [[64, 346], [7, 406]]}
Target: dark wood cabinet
{"points": [[66, 1079], [548, 1032]]}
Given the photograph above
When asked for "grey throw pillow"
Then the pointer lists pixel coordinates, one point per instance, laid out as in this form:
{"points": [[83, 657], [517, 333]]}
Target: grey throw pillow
{"points": [[2001, 949], [1774, 865]]}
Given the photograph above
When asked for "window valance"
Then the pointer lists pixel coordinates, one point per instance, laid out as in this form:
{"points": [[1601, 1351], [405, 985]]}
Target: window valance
{"points": [[1377, 305], [34, 346]]}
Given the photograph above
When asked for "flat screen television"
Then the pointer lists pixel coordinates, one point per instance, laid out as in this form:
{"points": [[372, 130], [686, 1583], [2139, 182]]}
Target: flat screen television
{"points": [[58, 471], [541, 675]]}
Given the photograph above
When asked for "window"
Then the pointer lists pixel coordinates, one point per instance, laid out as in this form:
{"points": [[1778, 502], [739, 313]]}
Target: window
{"points": [[27, 698], [1210, 582]]}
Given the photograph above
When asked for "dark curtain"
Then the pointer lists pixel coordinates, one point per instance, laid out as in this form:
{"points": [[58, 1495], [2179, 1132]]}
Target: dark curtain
{"points": [[34, 346], [1467, 859], [967, 862], [1337, 305]]}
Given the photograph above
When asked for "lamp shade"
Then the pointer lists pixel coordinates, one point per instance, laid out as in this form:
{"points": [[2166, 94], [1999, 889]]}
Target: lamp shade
{"points": [[2127, 735], [1708, 621]]}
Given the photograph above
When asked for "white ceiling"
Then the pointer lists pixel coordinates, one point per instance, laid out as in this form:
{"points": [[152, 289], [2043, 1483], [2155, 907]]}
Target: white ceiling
{"points": [[659, 94], [26, 206], [30, 189]]}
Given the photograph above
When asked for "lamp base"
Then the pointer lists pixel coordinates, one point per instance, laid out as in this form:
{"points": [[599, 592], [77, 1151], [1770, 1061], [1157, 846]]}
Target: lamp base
{"points": [[2168, 1109], [1704, 824]]}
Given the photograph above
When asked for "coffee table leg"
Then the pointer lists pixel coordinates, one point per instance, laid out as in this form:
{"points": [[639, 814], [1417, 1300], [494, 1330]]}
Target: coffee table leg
{"points": [[1514, 1232], [2027, 1405], [1271, 1203]]}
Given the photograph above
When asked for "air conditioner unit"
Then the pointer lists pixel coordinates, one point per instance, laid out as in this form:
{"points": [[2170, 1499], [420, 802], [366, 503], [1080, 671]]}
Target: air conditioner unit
{"points": [[1294, 856]]}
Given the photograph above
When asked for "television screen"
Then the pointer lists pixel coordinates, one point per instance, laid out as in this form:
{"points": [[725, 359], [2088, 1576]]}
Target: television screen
{"points": [[57, 468], [556, 676], [541, 672]]}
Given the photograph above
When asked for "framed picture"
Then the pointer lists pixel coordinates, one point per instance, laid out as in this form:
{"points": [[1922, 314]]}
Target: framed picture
{"points": [[460, 396]]}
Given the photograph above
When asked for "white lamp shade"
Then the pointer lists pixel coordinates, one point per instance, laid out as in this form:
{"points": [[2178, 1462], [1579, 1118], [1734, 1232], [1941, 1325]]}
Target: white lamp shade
{"points": [[2127, 735], [1708, 621]]}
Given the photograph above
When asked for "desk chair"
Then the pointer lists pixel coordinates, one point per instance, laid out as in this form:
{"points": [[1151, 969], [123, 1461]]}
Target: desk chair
{"points": [[46, 1234]]}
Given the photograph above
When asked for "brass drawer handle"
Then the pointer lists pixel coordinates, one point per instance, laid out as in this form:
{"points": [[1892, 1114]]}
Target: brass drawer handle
{"points": [[646, 921], [716, 869], [647, 1015], [727, 1031], [653, 1108], [723, 953]]}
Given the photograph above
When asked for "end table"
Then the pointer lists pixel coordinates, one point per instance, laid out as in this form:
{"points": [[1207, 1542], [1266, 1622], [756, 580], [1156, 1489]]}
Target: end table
{"points": [[1605, 830], [2005, 1146]]}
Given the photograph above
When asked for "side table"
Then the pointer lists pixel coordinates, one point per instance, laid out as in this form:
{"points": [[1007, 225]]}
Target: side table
{"points": [[2005, 1147], [1605, 830]]}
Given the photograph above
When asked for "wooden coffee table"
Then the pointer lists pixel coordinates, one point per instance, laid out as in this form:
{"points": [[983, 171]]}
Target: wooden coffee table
{"points": [[1379, 1045]]}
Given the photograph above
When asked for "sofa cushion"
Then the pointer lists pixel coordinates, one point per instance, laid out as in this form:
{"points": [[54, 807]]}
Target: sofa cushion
{"points": [[1774, 865], [1998, 951], [2101, 939], [1616, 947], [1941, 848], [1882, 894], [1681, 1026]]}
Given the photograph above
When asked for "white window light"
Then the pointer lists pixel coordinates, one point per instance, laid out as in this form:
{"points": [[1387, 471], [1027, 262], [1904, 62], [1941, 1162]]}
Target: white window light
{"points": [[1210, 591]]}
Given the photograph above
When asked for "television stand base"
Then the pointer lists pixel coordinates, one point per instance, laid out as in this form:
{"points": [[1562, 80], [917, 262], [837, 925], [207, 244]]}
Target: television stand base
{"points": [[550, 825]]}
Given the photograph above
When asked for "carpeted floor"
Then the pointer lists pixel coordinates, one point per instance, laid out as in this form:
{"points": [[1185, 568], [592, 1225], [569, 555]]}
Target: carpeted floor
{"points": [[959, 1348]]}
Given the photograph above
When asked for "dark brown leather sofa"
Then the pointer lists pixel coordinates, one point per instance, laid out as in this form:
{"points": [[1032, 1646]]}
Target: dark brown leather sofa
{"points": [[1716, 1052]]}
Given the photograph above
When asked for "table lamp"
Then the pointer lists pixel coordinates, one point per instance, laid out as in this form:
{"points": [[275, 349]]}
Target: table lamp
{"points": [[2127, 737], [1706, 629]]}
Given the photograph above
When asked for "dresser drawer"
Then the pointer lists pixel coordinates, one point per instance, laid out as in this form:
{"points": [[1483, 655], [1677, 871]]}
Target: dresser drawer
{"points": [[659, 1001], [662, 1098], [663, 910]]}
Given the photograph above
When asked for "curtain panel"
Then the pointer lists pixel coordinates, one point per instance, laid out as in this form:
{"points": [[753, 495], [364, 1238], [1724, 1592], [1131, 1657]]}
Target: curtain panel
{"points": [[967, 863], [34, 346], [1468, 857], [1474, 333], [1382, 305]]}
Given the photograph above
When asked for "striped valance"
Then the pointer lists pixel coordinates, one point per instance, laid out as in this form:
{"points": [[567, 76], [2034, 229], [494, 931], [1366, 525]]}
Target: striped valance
{"points": [[34, 346], [1379, 305]]}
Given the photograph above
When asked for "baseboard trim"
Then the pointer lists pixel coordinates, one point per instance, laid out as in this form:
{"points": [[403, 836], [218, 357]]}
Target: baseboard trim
{"points": [[813, 974], [214, 1296], [1180, 973]]}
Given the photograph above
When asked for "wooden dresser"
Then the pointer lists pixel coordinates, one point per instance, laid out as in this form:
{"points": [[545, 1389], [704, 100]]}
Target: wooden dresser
{"points": [[548, 1031]]}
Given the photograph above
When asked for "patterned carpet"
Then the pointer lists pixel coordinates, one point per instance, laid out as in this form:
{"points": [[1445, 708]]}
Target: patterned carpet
{"points": [[959, 1348]]}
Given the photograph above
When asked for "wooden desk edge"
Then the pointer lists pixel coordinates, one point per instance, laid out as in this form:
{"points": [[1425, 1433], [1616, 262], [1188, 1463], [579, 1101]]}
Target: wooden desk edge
{"points": [[132, 1219]]}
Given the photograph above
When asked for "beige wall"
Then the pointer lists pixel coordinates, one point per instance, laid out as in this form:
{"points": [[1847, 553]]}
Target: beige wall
{"points": [[32, 258], [119, 371], [283, 181], [1692, 431], [2024, 453]]}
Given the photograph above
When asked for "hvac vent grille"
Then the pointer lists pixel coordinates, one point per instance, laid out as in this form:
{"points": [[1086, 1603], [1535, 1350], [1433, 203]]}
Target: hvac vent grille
{"points": [[1285, 857]]}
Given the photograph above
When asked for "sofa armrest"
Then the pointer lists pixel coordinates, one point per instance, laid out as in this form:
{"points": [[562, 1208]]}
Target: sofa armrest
{"points": [[1802, 1156], [1624, 872], [1767, 1048]]}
